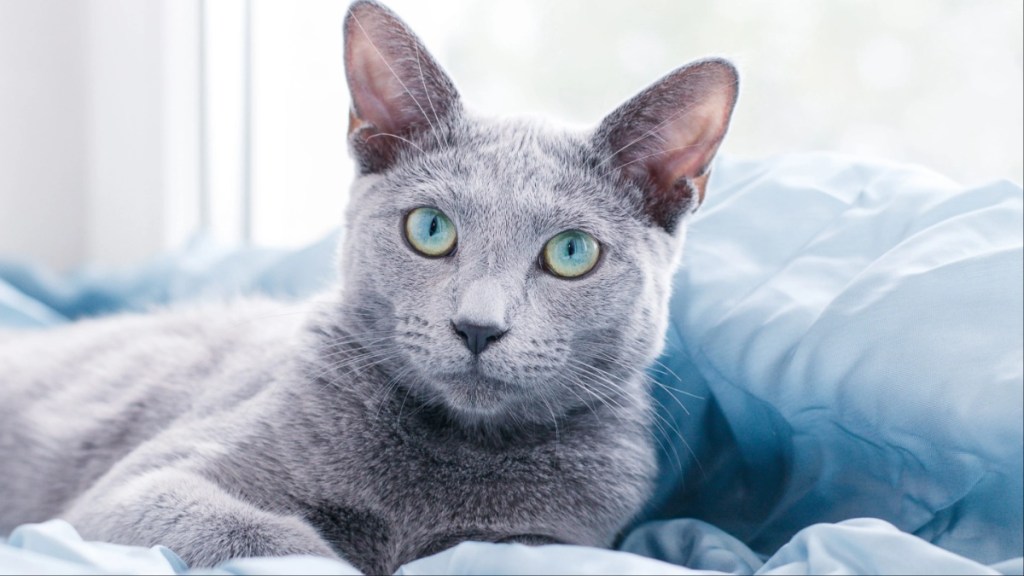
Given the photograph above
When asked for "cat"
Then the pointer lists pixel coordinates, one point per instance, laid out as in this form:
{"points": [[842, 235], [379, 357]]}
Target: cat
{"points": [[476, 374]]}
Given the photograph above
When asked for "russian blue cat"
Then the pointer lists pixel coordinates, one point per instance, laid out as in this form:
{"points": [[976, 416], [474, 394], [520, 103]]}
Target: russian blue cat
{"points": [[476, 374]]}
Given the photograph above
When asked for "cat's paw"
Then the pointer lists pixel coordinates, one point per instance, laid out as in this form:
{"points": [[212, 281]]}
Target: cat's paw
{"points": [[281, 536]]}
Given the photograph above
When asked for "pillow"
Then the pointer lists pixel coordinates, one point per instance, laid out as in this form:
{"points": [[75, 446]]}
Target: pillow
{"points": [[847, 341], [31, 295]]}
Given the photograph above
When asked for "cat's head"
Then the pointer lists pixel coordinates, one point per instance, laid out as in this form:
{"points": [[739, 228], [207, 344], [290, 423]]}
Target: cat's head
{"points": [[509, 270]]}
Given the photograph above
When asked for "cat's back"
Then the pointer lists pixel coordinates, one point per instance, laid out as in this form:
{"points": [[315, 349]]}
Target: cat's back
{"points": [[74, 400], [100, 360]]}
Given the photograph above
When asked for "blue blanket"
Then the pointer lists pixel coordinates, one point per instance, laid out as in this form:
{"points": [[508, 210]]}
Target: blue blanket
{"points": [[841, 389]]}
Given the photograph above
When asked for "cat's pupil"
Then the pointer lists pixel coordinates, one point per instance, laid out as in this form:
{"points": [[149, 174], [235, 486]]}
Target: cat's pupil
{"points": [[570, 248], [433, 226]]}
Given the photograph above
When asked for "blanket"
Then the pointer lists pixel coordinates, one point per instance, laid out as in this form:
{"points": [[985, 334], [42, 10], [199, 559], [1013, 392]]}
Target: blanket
{"points": [[841, 387]]}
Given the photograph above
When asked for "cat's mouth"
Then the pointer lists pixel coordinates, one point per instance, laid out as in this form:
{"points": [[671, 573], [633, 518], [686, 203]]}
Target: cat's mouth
{"points": [[475, 392]]}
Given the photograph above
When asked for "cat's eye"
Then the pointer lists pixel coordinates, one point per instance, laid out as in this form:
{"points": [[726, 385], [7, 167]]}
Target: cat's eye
{"points": [[571, 254], [430, 232]]}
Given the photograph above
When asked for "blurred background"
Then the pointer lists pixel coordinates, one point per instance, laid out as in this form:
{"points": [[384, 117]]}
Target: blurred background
{"points": [[128, 127]]}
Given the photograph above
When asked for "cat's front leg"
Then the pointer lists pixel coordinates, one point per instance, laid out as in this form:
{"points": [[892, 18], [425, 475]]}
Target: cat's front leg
{"points": [[192, 516]]}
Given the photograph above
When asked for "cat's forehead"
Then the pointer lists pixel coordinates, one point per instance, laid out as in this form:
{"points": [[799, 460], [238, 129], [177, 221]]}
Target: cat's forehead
{"points": [[514, 153], [519, 173]]}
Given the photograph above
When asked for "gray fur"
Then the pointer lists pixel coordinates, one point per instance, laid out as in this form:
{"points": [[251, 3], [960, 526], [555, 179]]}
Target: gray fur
{"points": [[360, 425]]}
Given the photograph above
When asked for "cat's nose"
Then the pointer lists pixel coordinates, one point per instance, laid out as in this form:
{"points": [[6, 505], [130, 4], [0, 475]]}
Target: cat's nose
{"points": [[478, 337]]}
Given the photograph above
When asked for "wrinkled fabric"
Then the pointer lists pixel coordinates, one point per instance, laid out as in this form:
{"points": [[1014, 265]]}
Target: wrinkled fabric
{"points": [[859, 546], [856, 330], [841, 388]]}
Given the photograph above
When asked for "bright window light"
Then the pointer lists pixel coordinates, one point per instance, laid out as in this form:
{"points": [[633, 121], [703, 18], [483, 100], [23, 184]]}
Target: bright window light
{"points": [[937, 83]]}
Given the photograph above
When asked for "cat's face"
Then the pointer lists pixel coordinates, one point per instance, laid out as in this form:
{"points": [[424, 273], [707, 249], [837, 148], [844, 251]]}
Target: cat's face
{"points": [[509, 270], [507, 191]]}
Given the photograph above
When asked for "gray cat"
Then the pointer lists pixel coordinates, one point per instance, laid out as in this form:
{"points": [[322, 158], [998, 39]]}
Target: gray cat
{"points": [[478, 374]]}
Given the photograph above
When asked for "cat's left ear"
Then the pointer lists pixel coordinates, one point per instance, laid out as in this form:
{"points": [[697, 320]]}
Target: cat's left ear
{"points": [[663, 139], [398, 91]]}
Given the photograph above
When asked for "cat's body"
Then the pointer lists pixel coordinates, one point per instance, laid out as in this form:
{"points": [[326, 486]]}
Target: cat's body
{"points": [[491, 389], [231, 400], [78, 400]]}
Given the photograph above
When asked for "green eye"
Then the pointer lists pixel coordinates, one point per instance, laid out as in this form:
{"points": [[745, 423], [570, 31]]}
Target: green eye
{"points": [[570, 254], [430, 232]]}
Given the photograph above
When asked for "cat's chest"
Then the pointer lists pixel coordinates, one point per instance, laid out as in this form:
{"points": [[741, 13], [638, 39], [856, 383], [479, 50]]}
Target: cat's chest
{"points": [[417, 473], [411, 496]]}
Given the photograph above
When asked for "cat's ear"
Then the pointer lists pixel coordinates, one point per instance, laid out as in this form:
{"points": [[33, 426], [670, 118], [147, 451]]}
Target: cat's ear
{"points": [[398, 91], [663, 139]]}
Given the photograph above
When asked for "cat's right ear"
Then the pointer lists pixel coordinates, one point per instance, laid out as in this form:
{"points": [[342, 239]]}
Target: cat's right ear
{"points": [[399, 93], [663, 139]]}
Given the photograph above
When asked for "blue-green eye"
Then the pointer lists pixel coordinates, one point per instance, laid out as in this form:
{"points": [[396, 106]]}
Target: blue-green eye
{"points": [[570, 254], [430, 232]]}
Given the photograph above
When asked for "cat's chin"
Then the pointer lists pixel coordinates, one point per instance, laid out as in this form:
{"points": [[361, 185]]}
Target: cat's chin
{"points": [[474, 397]]}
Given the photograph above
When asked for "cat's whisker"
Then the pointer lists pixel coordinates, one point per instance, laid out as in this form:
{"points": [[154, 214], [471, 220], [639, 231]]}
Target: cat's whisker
{"points": [[554, 419], [326, 382], [670, 429], [580, 385], [672, 391], [398, 419], [351, 362], [344, 346], [671, 395], [355, 363], [609, 386], [406, 140], [674, 427], [604, 375], [426, 91], [341, 335], [575, 382], [675, 388], [589, 405], [663, 443], [659, 420], [649, 133], [357, 338], [662, 152], [419, 408], [390, 387], [384, 393], [363, 361], [663, 427], [662, 365]]}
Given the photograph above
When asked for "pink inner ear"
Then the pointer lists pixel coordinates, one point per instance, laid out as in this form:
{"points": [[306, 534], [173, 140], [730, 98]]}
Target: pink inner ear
{"points": [[376, 92], [397, 89], [688, 142]]}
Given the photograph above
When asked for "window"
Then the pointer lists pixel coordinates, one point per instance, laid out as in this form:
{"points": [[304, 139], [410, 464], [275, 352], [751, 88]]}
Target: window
{"points": [[229, 116], [933, 82]]}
